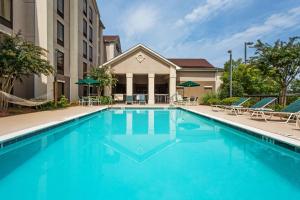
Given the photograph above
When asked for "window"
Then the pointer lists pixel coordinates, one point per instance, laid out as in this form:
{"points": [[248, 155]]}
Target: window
{"points": [[84, 70], [84, 28], [85, 7], [60, 89], [60, 33], [6, 13], [84, 49], [60, 62], [91, 53], [60, 8], [91, 34], [91, 15]]}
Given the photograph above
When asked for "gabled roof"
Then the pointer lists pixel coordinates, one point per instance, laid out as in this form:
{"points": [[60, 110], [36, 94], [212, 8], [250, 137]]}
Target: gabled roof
{"points": [[146, 49], [191, 63]]}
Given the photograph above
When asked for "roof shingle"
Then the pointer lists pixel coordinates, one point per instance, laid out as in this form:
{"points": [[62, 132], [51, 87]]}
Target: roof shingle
{"points": [[191, 63]]}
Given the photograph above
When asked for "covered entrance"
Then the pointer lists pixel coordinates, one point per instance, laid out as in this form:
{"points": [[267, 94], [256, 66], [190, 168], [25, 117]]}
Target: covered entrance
{"points": [[141, 71]]}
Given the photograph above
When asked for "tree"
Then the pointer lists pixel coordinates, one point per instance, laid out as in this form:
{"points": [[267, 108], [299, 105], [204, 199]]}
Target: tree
{"points": [[18, 59], [295, 86], [280, 61], [246, 80], [105, 78]]}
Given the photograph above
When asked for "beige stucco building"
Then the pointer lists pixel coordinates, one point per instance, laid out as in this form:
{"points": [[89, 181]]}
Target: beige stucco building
{"points": [[140, 70], [70, 30]]}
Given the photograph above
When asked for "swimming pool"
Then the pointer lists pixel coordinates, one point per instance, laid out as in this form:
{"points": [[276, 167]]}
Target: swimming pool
{"points": [[147, 154]]}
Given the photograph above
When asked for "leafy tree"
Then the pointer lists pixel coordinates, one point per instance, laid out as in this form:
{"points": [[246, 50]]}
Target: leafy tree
{"points": [[246, 79], [280, 61], [104, 77], [295, 86], [18, 59]]}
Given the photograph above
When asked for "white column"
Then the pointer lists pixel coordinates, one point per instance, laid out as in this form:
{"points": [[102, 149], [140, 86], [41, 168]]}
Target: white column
{"points": [[172, 83], [129, 77], [151, 86]]}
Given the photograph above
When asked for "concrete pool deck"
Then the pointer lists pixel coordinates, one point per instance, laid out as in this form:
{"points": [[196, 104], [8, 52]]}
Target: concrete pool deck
{"points": [[12, 124], [274, 126], [31, 121]]}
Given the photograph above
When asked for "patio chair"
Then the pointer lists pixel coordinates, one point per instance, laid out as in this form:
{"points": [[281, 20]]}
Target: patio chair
{"points": [[239, 103], [95, 101], [179, 100], [129, 99], [193, 101], [142, 99], [291, 111], [83, 101], [118, 97], [259, 106]]}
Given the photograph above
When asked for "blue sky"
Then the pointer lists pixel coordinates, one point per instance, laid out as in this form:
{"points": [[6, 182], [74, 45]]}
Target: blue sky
{"points": [[200, 28]]}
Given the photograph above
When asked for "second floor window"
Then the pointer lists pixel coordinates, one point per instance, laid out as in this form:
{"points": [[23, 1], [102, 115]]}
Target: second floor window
{"points": [[91, 53], [60, 8], [91, 15], [85, 7], [60, 33], [91, 34], [60, 62], [6, 10], [85, 71], [84, 49], [84, 28]]}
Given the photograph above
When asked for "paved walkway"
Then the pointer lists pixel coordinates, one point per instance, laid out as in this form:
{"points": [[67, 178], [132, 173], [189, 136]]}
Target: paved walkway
{"points": [[274, 126], [19, 122]]}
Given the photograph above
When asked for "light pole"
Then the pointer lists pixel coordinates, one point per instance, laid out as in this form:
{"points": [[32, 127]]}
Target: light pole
{"points": [[246, 45], [230, 73]]}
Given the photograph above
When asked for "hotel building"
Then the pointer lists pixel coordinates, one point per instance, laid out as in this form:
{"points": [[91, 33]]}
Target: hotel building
{"points": [[70, 31]]}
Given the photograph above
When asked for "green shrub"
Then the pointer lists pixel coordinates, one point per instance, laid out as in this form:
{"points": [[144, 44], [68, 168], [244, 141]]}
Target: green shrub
{"points": [[47, 106], [63, 102], [276, 107], [230, 100], [214, 101], [104, 100], [206, 97]]}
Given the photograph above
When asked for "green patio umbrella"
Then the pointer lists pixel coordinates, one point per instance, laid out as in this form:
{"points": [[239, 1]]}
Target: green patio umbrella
{"points": [[87, 81], [188, 84]]}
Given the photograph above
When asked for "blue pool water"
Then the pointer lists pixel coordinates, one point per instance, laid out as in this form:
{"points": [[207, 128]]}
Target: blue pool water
{"points": [[147, 154]]}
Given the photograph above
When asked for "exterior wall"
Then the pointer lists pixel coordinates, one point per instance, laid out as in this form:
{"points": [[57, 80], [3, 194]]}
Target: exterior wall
{"points": [[37, 21], [95, 44], [149, 64], [218, 80], [207, 81]]}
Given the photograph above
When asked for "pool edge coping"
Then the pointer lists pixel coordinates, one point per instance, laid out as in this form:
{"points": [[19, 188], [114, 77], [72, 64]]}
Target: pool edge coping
{"points": [[38, 128], [287, 140]]}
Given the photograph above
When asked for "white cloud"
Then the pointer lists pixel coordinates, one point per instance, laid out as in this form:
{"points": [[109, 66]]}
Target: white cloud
{"points": [[215, 50], [204, 12], [139, 19]]}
